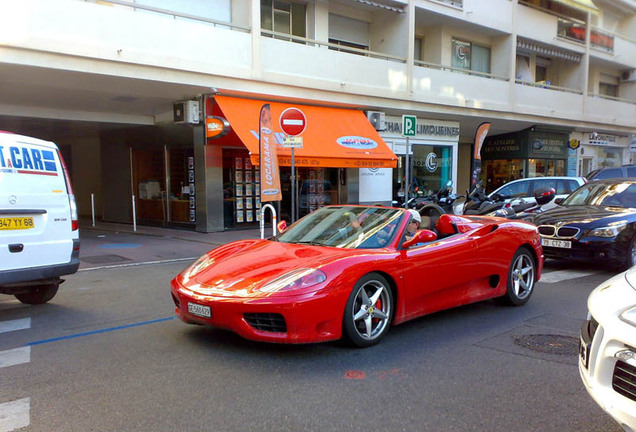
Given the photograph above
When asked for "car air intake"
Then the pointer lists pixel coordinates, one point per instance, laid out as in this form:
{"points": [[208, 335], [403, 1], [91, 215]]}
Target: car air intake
{"points": [[269, 322], [624, 379]]}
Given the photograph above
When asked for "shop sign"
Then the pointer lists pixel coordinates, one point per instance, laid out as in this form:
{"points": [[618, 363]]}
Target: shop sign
{"points": [[502, 148], [601, 139], [357, 142], [216, 127], [574, 144], [432, 129], [375, 184], [549, 147]]}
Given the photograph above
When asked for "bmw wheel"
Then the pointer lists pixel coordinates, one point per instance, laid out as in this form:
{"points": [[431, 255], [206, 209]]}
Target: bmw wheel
{"points": [[369, 311], [630, 255], [521, 278]]}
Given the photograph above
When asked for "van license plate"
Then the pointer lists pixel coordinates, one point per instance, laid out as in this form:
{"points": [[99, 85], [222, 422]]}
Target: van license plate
{"points": [[16, 223], [199, 310]]}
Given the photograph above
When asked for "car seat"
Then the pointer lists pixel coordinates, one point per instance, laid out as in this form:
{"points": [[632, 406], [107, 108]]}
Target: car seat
{"points": [[445, 226]]}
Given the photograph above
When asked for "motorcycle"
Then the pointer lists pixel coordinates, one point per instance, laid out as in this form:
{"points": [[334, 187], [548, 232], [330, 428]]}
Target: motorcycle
{"points": [[542, 196]]}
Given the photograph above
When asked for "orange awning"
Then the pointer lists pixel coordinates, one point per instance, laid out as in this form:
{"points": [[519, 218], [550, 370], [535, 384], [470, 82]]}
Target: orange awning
{"points": [[333, 137]]}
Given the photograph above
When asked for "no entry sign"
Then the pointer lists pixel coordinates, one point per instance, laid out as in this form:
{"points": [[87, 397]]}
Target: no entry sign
{"points": [[293, 121]]}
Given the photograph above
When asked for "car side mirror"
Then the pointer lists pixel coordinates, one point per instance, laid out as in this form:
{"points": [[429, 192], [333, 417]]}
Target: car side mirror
{"points": [[421, 236], [281, 226]]}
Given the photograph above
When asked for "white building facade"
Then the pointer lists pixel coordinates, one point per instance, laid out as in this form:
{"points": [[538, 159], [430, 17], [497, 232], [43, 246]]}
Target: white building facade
{"points": [[101, 78]]}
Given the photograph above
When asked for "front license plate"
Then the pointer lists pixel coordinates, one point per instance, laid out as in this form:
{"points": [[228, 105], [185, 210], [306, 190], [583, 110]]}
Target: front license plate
{"points": [[199, 310], [16, 223], [564, 244], [584, 353]]}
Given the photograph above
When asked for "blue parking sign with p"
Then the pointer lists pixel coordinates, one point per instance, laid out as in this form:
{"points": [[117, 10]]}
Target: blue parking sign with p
{"points": [[409, 125]]}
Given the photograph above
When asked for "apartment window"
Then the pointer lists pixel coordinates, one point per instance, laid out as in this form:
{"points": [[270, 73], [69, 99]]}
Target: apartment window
{"points": [[348, 32], [470, 56], [284, 17], [608, 90], [419, 49]]}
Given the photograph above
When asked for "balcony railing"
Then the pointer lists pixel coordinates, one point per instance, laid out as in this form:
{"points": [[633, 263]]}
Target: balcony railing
{"points": [[333, 46], [575, 31], [174, 14], [455, 3], [460, 70], [612, 98], [548, 86]]}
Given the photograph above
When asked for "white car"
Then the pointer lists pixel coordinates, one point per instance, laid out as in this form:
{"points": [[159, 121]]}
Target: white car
{"points": [[607, 360], [525, 189]]}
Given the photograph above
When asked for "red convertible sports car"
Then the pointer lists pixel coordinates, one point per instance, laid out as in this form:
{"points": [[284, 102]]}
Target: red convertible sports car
{"points": [[351, 272]]}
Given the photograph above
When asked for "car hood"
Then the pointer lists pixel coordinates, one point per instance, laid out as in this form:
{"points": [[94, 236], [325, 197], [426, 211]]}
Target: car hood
{"points": [[630, 276], [573, 215], [240, 268]]}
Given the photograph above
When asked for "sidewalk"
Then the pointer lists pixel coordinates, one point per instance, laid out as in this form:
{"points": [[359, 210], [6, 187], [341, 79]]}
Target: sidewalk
{"points": [[113, 244]]}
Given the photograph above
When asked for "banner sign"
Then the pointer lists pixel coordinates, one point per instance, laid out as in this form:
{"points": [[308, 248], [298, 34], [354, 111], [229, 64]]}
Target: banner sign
{"points": [[268, 160], [480, 136]]}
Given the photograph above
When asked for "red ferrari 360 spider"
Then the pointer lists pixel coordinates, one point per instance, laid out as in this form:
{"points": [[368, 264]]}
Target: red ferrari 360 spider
{"points": [[351, 272]]}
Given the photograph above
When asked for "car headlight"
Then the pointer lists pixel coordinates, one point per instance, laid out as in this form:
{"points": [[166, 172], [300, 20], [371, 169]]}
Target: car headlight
{"points": [[629, 316], [297, 279], [608, 231]]}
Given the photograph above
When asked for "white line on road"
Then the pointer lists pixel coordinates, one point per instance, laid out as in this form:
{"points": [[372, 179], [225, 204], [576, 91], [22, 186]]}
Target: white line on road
{"points": [[15, 414], [138, 264], [13, 325], [561, 275], [15, 356]]}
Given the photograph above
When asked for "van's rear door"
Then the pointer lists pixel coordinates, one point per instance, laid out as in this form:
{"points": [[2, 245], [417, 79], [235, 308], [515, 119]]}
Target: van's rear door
{"points": [[35, 214]]}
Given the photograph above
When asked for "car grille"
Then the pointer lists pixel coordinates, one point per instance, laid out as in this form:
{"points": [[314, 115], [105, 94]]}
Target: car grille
{"points": [[624, 379], [562, 232], [269, 322]]}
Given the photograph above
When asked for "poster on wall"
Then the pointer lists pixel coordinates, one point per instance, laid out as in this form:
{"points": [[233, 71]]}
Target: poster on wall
{"points": [[250, 216], [376, 185], [238, 176]]}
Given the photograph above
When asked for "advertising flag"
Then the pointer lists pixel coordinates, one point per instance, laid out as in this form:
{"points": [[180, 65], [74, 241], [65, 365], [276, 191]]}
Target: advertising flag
{"points": [[480, 136], [268, 158]]}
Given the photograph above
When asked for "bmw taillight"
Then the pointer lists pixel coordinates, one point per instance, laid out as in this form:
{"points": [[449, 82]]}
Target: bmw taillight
{"points": [[71, 195]]}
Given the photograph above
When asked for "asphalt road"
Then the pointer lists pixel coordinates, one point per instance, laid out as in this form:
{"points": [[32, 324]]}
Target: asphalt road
{"points": [[107, 355]]}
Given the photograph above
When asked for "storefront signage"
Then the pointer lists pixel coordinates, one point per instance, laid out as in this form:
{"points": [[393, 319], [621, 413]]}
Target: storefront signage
{"points": [[433, 129], [549, 146], [601, 139], [270, 177], [375, 185], [574, 144], [502, 148], [431, 162], [216, 127], [357, 142]]}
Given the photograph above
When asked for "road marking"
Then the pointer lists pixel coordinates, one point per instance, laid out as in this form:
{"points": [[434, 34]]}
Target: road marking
{"points": [[137, 264], [13, 325], [561, 275], [14, 357], [15, 415], [101, 331]]}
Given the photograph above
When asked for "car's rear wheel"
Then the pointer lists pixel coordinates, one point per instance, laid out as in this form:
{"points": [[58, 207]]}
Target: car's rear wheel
{"points": [[521, 278], [369, 311], [40, 294]]}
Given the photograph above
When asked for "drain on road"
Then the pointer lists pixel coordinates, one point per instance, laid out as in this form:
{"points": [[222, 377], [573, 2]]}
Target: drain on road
{"points": [[104, 259], [549, 344]]}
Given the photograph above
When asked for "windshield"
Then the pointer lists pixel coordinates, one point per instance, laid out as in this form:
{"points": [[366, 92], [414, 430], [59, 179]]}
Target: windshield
{"points": [[345, 227], [602, 194]]}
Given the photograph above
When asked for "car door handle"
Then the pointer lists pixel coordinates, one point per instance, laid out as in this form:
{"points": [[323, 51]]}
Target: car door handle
{"points": [[16, 247]]}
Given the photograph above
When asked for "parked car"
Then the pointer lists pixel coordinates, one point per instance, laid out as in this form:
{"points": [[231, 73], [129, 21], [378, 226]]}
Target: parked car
{"points": [[525, 189], [597, 221], [38, 219], [349, 272], [607, 360], [624, 171]]}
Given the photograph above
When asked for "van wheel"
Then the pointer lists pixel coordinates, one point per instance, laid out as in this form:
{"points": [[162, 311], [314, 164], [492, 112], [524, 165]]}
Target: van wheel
{"points": [[39, 295]]}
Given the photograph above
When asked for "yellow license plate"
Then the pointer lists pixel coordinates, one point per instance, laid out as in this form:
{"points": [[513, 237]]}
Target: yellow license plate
{"points": [[16, 223]]}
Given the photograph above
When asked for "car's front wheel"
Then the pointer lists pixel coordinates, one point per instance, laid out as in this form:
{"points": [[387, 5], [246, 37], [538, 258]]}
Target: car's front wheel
{"points": [[369, 311], [40, 294], [630, 255], [521, 278]]}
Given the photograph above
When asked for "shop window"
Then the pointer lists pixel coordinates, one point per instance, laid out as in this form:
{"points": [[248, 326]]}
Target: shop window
{"points": [[432, 168], [284, 17], [470, 56], [182, 188], [241, 189]]}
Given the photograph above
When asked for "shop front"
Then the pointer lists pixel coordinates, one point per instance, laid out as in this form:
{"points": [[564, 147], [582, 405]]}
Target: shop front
{"points": [[337, 144], [433, 155], [532, 152], [602, 151]]}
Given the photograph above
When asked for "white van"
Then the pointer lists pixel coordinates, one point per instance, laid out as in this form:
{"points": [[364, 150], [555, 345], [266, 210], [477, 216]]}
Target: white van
{"points": [[39, 229]]}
